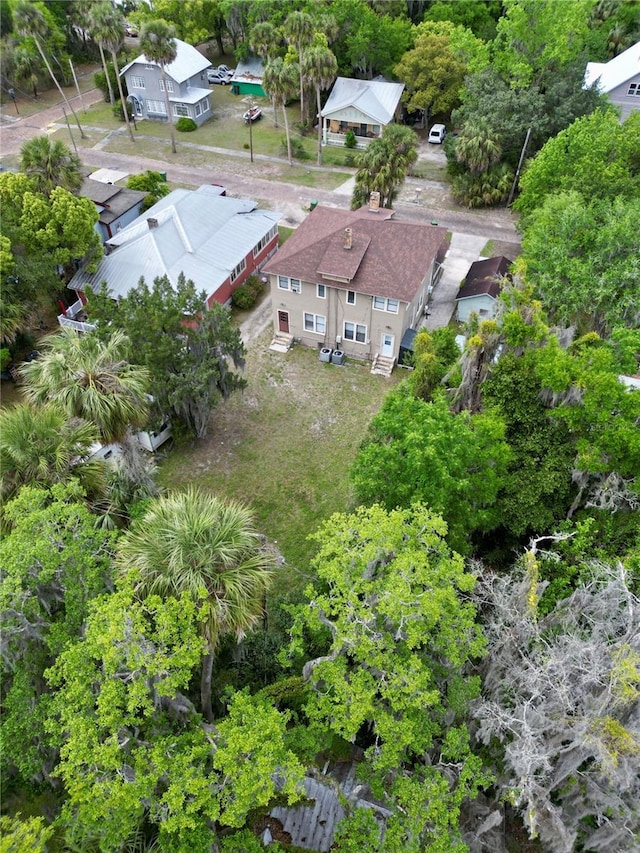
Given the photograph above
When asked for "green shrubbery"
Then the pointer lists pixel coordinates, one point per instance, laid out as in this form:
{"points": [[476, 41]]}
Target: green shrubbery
{"points": [[186, 125], [350, 140], [246, 296], [298, 151]]}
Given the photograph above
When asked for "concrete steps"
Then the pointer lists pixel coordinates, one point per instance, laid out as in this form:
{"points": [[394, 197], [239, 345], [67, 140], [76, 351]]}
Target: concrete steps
{"points": [[382, 365], [281, 342]]}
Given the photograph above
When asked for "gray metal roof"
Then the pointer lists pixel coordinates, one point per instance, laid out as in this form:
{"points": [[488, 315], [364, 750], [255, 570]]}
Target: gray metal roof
{"points": [[618, 70], [197, 232], [249, 70], [188, 62], [375, 98]]}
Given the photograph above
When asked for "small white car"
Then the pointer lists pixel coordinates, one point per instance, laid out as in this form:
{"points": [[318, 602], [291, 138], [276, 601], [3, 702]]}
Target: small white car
{"points": [[437, 133], [216, 75]]}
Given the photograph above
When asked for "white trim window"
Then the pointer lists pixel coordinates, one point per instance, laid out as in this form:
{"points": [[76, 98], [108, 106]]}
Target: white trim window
{"points": [[239, 269], [321, 291], [315, 323], [355, 332], [292, 284], [634, 90], [169, 85], [351, 297], [198, 110], [137, 82], [382, 304], [263, 242], [157, 107], [181, 110]]}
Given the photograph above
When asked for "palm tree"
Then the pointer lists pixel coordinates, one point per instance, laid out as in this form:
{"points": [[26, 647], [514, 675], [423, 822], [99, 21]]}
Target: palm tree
{"points": [[263, 41], [97, 12], [384, 165], [159, 45], [207, 547], [319, 69], [279, 81], [51, 164], [108, 27], [27, 65], [29, 21], [299, 29], [477, 147], [89, 379], [43, 445]]}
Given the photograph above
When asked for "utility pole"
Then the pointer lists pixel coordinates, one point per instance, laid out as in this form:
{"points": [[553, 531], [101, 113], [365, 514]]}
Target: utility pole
{"points": [[515, 180], [251, 132]]}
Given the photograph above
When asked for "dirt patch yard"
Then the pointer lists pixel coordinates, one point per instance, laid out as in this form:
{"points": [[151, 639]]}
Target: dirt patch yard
{"points": [[285, 444]]}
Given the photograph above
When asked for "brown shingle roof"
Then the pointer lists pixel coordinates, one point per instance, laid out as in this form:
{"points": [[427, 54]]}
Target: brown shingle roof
{"points": [[388, 257], [484, 277]]}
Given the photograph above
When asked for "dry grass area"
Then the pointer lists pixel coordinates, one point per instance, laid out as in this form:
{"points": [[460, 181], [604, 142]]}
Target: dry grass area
{"points": [[285, 444]]}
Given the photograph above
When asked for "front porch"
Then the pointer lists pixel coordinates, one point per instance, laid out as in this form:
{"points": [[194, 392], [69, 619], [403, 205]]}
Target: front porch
{"points": [[75, 317], [334, 132]]}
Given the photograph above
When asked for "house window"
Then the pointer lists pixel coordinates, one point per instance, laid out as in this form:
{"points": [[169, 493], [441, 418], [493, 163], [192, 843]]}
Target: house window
{"points": [[355, 332], [198, 110], [181, 110], [321, 291], [292, 284], [240, 268], [137, 82], [169, 85], [314, 323], [634, 90], [206, 106], [351, 297], [295, 285], [157, 107], [382, 304], [264, 241]]}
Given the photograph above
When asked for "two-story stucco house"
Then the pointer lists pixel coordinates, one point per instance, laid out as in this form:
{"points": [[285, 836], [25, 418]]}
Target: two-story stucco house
{"points": [[189, 94], [355, 281], [618, 79]]}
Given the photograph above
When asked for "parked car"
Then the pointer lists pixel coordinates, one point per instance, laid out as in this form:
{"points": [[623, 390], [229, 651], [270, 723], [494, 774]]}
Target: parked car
{"points": [[437, 133], [226, 69], [131, 31], [252, 114], [215, 75]]}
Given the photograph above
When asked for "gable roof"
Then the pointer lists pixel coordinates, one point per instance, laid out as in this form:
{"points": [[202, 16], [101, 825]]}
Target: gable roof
{"points": [[249, 70], [377, 99], [387, 258], [610, 75], [197, 232], [483, 278], [188, 62]]}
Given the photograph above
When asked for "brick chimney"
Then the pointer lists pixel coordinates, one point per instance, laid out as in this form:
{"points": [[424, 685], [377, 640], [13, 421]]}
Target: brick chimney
{"points": [[151, 222], [374, 201], [347, 238]]}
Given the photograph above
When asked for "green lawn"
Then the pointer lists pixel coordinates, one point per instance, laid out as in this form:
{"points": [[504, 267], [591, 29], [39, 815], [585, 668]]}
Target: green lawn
{"points": [[285, 445]]}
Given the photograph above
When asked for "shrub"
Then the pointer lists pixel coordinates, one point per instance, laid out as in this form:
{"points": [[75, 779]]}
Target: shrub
{"points": [[350, 140], [186, 125], [118, 110], [298, 151], [246, 295], [100, 79]]}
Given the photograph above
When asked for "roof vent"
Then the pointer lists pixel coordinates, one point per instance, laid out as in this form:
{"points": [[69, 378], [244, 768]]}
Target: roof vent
{"points": [[374, 201], [152, 223], [348, 234]]}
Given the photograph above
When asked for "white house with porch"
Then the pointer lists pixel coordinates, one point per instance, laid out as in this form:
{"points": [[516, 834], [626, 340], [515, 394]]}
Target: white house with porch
{"points": [[363, 106]]}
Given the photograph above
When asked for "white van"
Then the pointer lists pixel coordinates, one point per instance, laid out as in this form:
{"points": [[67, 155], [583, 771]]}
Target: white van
{"points": [[437, 133]]}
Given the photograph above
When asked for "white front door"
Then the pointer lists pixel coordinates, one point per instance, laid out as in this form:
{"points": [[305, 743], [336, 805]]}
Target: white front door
{"points": [[386, 348]]}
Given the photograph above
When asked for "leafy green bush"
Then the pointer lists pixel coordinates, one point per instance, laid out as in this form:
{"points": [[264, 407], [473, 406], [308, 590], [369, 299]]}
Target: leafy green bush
{"points": [[246, 295], [153, 183], [118, 110], [350, 140], [100, 79], [298, 151], [186, 125]]}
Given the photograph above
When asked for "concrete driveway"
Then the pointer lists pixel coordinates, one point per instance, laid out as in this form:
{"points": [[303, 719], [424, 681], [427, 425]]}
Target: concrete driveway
{"points": [[463, 251]]}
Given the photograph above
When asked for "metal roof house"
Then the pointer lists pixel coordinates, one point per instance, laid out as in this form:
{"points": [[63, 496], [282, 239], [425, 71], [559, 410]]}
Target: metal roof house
{"points": [[481, 288], [618, 79], [215, 240], [354, 282], [247, 78], [189, 94], [363, 106]]}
